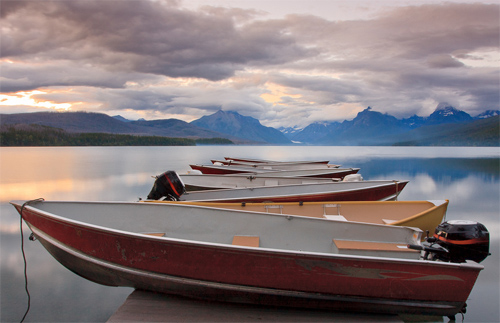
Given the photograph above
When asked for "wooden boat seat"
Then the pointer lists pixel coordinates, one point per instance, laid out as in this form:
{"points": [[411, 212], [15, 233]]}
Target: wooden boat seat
{"points": [[156, 234], [368, 245], [246, 241]]}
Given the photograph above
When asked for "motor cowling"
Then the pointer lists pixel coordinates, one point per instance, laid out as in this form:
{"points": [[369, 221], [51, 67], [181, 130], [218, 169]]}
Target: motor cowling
{"points": [[464, 240], [167, 185]]}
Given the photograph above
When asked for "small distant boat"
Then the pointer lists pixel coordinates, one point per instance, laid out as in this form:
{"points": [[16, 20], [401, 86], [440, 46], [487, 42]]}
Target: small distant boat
{"points": [[169, 185], [275, 165], [263, 161], [196, 182], [425, 215], [279, 260], [314, 172]]}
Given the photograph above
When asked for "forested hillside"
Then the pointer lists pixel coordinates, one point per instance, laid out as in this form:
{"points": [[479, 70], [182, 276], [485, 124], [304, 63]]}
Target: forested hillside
{"points": [[37, 135]]}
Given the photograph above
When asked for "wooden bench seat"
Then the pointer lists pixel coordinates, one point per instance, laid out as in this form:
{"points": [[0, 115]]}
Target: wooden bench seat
{"points": [[375, 246], [155, 234], [246, 241]]}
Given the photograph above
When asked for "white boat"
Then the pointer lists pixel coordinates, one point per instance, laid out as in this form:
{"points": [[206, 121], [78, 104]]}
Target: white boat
{"points": [[196, 182]]}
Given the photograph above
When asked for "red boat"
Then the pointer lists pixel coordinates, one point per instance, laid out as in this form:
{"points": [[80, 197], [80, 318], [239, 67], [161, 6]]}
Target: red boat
{"points": [[170, 186], [312, 172], [275, 165], [227, 255], [263, 161]]}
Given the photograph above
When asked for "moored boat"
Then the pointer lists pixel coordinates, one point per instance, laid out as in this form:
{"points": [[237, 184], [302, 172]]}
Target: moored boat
{"points": [[169, 185], [264, 259], [310, 172], [265, 161], [196, 182], [425, 215], [275, 165]]}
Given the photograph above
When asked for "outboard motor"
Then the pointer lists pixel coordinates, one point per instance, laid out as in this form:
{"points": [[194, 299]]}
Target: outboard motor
{"points": [[464, 240], [168, 185]]}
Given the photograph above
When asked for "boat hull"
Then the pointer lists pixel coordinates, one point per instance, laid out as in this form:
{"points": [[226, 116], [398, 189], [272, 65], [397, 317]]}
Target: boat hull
{"points": [[315, 173], [109, 274], [254, 275], [353, 191]]}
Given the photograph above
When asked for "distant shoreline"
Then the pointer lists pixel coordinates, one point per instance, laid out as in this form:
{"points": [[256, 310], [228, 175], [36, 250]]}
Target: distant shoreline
{"points": [[44, 136], [35, 135]]}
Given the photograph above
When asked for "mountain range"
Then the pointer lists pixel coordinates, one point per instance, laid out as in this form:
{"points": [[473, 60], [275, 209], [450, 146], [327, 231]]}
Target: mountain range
{"points": [[86, 122], [374, 128], [446, 126]]}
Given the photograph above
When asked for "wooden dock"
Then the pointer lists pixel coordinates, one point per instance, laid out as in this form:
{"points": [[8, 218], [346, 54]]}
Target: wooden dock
{"points": [[143, 306]]}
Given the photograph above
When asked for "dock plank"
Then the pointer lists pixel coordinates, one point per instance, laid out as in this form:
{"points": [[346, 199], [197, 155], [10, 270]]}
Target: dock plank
{"points": [[142, 306]]}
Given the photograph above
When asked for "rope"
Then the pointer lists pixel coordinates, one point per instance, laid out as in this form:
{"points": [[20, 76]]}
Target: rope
{"points": [[24, 255]]}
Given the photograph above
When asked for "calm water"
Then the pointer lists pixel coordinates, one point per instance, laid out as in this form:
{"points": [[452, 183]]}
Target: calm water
{"points": [[468, 177]]}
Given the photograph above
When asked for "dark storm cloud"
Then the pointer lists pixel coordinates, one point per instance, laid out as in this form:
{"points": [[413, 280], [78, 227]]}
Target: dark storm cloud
{"points": [[25, 77], [443, 61], [142, 36]]}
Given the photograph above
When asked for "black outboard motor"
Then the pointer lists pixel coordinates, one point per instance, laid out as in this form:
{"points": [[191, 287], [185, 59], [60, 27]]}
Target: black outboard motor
{"points": [[463, 240], [168, 185]]}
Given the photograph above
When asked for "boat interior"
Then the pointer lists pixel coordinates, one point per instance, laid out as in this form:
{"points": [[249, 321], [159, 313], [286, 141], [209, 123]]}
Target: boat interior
{"points": [[378, 212], [205, 225]]}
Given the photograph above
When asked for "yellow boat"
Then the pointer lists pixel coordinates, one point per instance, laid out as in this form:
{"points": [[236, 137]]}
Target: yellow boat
{"points": [[425, 215]]}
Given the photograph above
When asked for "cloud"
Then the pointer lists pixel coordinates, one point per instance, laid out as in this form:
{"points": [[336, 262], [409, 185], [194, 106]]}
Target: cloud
{"points": [[143, 36], [159, 58], [443, 61]]}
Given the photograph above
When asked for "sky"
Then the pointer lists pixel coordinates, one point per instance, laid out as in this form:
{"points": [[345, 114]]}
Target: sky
{"points": [[288, 63]]}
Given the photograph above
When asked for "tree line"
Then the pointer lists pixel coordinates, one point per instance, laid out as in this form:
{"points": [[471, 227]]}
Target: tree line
{"points": [[38, 135]]}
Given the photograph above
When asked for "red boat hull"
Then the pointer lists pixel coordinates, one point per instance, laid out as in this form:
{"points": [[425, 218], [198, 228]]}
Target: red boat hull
{"points": [[226, 170], [374, 193], [260, 161], [263, 276]]}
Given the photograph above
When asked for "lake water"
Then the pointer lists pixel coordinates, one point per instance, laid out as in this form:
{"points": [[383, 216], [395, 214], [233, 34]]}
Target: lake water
{"points": [[468, 177]]}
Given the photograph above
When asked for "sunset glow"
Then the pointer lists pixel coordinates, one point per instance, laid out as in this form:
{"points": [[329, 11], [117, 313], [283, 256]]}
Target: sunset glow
{"points": [[29, 99]]}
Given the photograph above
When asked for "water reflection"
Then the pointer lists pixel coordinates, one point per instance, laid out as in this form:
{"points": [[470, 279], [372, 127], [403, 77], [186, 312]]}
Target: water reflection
{"points": [[468, 177]]}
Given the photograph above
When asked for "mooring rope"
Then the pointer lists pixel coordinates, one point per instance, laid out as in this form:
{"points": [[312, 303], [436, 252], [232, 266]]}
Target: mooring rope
{"points": [[24, 255], [397, 189]]}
